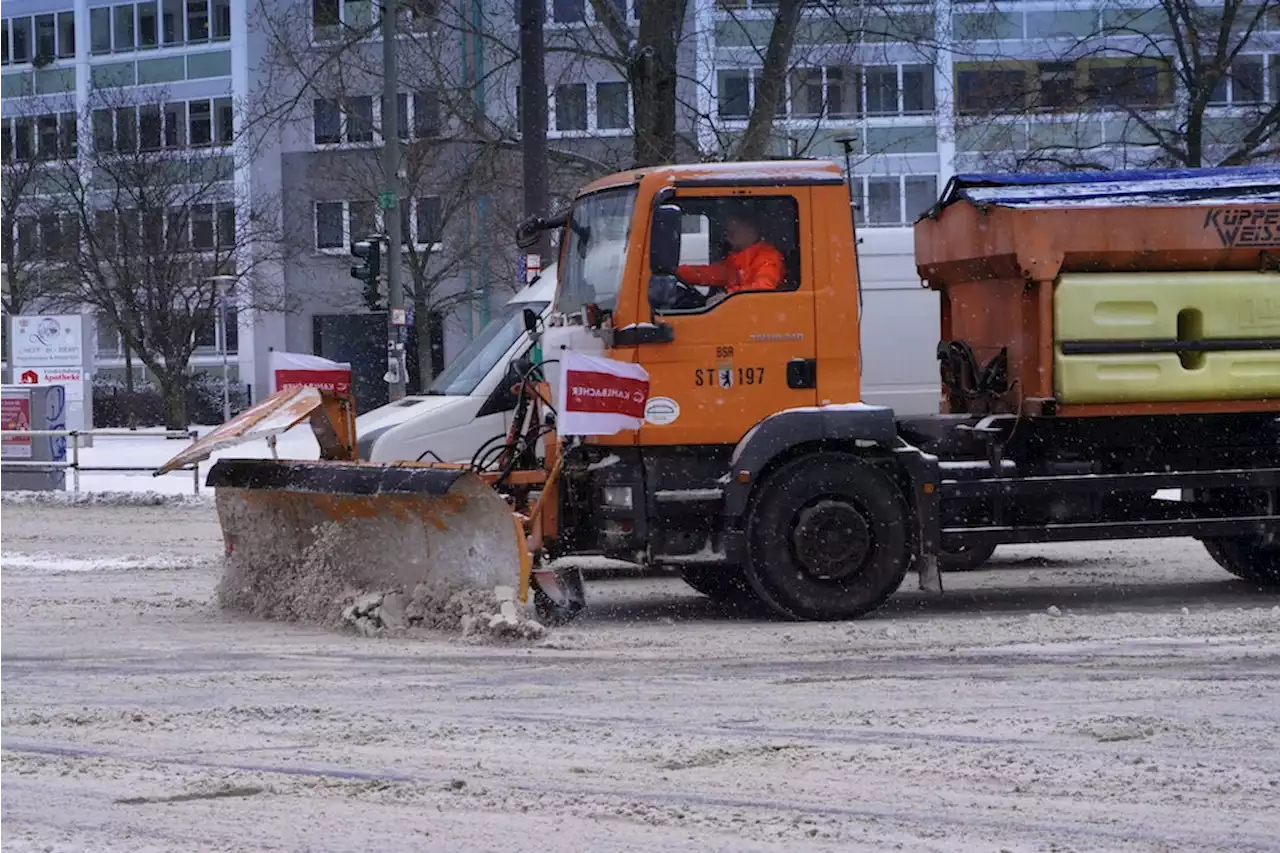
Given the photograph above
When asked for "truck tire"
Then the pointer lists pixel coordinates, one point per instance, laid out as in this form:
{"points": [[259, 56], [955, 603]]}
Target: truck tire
{"points": [[719, 583], [827, 538], [1246, 558], [966, 559]]}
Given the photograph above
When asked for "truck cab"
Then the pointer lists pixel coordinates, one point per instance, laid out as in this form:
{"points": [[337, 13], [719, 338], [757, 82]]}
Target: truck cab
{"points": [[719, 364]]}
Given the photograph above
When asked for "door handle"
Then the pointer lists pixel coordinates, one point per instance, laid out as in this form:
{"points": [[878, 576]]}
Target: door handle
{"points": [[648, 333]]}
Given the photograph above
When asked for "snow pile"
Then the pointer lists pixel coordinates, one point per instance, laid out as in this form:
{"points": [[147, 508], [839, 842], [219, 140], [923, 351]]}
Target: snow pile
{"points": [[476, 613], [106, 498], [326, 584]]}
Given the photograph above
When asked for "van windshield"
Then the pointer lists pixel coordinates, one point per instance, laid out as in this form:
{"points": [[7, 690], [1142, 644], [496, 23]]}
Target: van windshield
{"points": [[488, 348], [596, 253]]}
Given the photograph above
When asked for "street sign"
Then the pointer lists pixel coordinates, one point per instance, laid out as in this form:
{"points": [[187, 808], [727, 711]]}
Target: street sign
{"points": [[386, 200], [399, 317], [15, 414]]}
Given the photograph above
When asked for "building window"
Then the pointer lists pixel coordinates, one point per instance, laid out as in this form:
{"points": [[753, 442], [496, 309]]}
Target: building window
{"points": [[67, 131], [66, 34], [917, 89], [225, 225], [568, 11], [202, 227], [1057, 85], [1243, 84], [22, 39], [428, 214], [328, 121], [581, 12], [201, 113], [1134, 84], [330, 18], [47, 137], [175, 124], [571, 106], [882, 90], [126, 129], [894, 200], [124, 31], [822, 91], [329, 225], [224, 121], [985, 90], [197, 20], [173, 22], [613, 106], [150, 127], [734, 88], [426, 114], [100, 30], [46, 36], [359, 117], [148, 26]]}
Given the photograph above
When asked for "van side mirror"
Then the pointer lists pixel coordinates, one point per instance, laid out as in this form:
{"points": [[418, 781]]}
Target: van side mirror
{"points": [[664, 240], [530, 320]]}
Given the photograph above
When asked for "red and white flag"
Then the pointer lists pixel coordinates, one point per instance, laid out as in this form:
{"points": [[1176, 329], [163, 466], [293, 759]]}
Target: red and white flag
{"points": [[599, 396]]}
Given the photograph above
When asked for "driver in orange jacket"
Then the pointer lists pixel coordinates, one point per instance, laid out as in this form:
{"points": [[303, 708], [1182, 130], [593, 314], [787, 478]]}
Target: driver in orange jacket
{"points": [[752, 263]]}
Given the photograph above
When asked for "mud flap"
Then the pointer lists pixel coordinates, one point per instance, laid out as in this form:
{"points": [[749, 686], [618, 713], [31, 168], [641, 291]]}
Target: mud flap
{"points": [[930, 577]]}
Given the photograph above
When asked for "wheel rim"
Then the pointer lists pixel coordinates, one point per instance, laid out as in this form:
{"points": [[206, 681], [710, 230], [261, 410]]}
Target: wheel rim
{"points": [[831, 540]]}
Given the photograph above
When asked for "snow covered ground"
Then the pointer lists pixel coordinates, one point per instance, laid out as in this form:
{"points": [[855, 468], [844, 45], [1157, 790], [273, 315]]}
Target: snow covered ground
{"points": [[1117, 697]]}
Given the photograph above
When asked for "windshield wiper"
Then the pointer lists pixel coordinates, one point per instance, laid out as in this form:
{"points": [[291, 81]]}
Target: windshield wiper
{"points": [[584, 235]]}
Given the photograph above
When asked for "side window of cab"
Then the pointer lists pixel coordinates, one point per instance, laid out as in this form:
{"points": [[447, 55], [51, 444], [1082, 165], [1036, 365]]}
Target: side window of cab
{"points": [[732, 246]]}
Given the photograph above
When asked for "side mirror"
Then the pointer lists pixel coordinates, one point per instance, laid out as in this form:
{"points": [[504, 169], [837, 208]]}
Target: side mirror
{"points": [[530, 320], [528, 232], [664, 240]]}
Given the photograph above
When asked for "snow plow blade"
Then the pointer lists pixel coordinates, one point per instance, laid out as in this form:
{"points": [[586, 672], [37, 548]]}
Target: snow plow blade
{"points": [[304, 538]]}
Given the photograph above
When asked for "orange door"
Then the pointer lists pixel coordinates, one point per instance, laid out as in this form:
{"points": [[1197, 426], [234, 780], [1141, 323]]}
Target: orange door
{"points": [[735, 362]]}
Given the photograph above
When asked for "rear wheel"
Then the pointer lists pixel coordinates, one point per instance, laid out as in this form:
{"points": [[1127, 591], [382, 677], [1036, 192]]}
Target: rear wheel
{"points": [[1247, 558], [827, 538], [966, 558], [719, 583]]}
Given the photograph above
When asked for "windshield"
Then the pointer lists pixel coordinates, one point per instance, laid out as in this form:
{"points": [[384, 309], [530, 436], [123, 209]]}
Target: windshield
{"points": [[597, 250], [488, 348]]}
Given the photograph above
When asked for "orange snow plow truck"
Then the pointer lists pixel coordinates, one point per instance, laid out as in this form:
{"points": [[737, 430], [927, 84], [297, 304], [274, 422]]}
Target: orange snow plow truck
{"points": [[1105, 338]]}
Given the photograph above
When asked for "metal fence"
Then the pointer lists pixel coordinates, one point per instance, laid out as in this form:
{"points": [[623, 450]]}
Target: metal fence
{"points": [[73, 447]]}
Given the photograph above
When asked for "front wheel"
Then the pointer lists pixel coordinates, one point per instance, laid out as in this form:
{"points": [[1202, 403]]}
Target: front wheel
{"points": [[1247, 558], [827, 538]]}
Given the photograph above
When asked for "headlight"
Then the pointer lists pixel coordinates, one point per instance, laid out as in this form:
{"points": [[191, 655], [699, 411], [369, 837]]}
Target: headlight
{"points": [[617, 496]]}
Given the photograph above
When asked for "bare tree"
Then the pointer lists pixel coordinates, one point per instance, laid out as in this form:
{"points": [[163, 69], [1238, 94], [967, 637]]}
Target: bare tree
{"points": [[155, 231], [32, 149]]}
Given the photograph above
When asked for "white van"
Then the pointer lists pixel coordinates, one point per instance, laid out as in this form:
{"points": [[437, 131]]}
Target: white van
{"points": [[469, 403]]}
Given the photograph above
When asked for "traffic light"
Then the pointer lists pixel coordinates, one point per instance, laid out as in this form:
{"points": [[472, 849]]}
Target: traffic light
{"points": [[368, 270]]}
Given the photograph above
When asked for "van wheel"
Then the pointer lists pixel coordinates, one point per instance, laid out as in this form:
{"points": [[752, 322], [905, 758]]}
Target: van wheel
{"points": [[719, 583], [965, 558], [827, 538], [1247, 558]]}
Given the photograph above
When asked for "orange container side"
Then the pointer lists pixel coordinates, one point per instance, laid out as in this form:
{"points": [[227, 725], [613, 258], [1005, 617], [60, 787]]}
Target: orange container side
{"points": [[996, 267]]}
